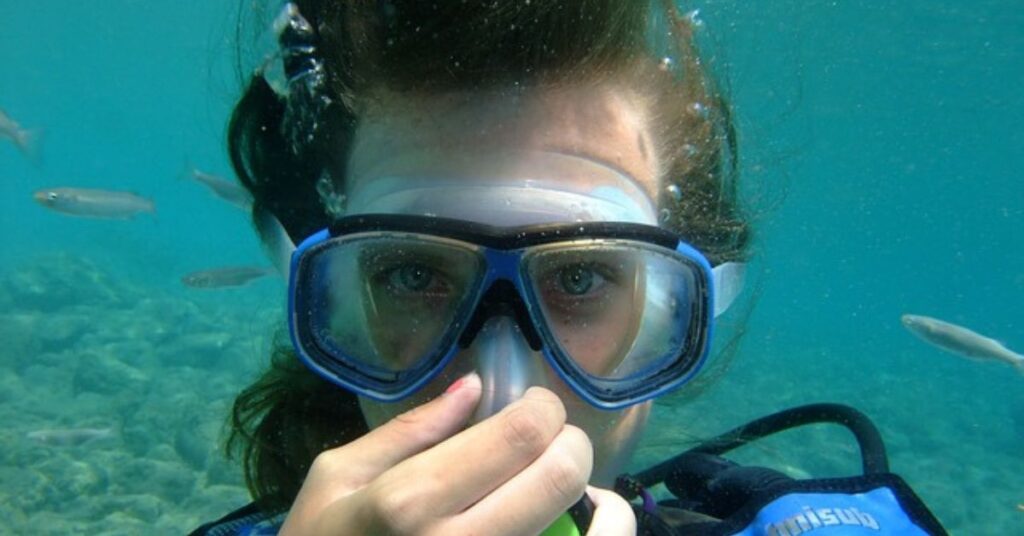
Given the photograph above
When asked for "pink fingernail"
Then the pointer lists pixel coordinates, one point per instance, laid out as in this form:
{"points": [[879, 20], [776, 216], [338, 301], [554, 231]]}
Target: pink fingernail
{"points": [[455, 385]]}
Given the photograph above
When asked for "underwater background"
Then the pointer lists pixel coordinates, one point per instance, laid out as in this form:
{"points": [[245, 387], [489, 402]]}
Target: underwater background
{"points": [[881, 152]]}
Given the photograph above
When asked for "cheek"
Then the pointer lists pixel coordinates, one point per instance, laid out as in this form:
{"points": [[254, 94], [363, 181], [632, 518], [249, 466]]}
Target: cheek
{"points": [[614, 435], [602, 344], [605, 426], [378, 413]]}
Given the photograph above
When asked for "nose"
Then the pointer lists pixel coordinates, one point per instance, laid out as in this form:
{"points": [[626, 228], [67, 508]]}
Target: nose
{"points": [[506, 364], [501, 299]]}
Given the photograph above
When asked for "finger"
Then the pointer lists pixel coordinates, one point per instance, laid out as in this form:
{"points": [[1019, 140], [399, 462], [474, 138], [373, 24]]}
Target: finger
{"points": [[409, 433], [461, 470], [531, 500], [613, 515]]}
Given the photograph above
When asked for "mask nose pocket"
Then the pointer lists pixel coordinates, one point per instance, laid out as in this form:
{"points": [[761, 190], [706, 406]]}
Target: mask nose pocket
{"points": [[501, 300], [506, 364]]}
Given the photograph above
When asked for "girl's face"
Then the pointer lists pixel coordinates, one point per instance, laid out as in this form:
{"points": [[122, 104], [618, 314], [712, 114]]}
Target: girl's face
{"points": [[580, 139]]}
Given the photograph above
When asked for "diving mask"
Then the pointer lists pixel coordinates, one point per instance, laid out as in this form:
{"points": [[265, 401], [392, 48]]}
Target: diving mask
{"points": [[382, 303], [620, 309]]}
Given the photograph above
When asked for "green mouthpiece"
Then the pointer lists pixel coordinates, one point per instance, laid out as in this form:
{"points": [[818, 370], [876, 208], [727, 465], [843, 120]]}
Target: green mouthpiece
{"points": [[563, 526]]}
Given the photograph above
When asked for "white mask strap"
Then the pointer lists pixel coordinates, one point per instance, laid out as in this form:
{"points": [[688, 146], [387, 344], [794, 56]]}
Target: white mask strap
{"points": [[728, 280], [277, 245]]}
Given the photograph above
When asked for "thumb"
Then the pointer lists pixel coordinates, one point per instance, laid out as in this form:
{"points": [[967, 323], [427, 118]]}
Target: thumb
{"points": [[613, 516]]}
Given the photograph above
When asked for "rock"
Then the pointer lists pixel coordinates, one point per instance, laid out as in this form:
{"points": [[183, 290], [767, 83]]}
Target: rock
{"points": [[221, 471], [70, 479], [106, 375], [141, 506], [13, 518], [60, 330], [193, 447], [168, 481], [19, 333], [52, 282], [123, 523], [212, 502], [31, 486], [202, 349]]}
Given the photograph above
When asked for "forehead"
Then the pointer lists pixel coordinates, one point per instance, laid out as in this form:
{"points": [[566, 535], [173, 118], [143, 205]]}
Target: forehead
{"points": [[498, 135]]}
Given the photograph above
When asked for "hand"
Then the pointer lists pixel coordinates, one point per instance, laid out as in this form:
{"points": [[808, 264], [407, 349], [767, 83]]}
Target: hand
{"points": [[513, 473]]}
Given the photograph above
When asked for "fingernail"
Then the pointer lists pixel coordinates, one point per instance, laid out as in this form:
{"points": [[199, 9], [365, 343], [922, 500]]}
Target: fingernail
{"points": [[456, 384]]}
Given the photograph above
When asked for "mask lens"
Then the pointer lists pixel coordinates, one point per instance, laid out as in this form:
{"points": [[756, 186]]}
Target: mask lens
{"points": [[389, 303], [618, 310]]}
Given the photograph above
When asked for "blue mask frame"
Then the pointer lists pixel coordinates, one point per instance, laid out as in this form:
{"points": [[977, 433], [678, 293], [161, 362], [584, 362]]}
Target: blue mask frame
{"points": [[502, 286]]}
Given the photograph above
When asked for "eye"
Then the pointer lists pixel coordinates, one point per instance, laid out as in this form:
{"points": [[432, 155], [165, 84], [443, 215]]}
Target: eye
{"points": [[52, 196], [578, 279], [409, 278]]}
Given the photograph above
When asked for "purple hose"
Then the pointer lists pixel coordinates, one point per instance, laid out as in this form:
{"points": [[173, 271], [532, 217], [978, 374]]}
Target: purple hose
{"points": [[649, 504]]}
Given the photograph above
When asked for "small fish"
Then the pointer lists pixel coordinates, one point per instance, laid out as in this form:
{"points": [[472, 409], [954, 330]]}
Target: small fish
{"points": [[94, 203], [69, 437], [229, 191], [233, 276], [960, 340], [26, 140]]}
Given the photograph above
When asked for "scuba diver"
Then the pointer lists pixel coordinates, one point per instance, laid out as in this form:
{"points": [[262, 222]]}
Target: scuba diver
{"points": [[507, 227]]}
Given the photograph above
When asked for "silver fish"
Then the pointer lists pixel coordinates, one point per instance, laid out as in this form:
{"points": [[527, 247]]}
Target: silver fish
{"points": [[960, 340], [233, 276], [69, 437], [94, 203], [26, 140], [229, 191]]}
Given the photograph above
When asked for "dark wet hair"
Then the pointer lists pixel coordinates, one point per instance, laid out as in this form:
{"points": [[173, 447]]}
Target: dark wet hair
{"points": [[289, 415]]}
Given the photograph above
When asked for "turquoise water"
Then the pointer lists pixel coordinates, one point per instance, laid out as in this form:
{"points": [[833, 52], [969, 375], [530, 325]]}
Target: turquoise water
{"points": [[882, 151]]}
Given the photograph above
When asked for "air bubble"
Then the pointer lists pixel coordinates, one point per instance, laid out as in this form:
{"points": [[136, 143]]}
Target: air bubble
{"points": [[333, 202], [674, 192], [699, 110], [664, 215], [694, 18]]}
